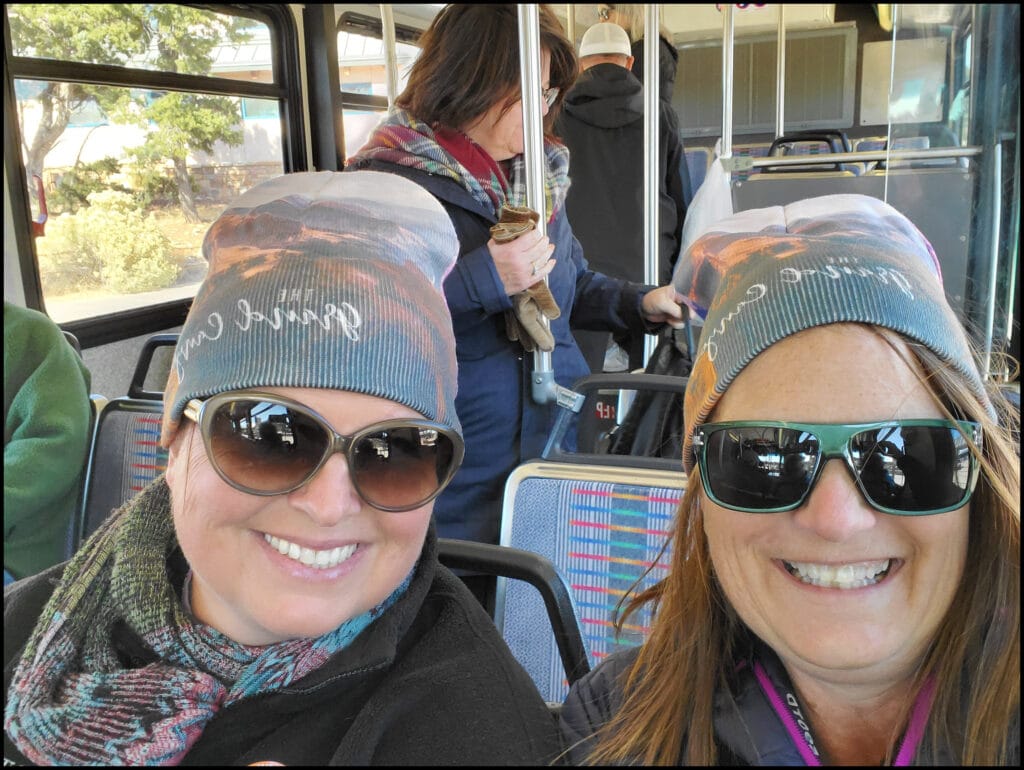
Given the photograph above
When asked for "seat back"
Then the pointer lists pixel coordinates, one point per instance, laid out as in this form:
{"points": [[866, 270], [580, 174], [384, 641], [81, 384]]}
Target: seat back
{"points": [[536, 571], [697, 161], [125, 454], [812, 143], [124, 457], [604, 528]]}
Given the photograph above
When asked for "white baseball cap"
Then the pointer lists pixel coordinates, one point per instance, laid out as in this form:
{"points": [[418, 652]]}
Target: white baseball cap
{"points": [[605, 37]]}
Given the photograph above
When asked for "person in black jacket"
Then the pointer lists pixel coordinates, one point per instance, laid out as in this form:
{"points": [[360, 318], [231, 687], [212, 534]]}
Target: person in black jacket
{"points": [[630, 16], [275, 597], [844, 587], [602, 124]]}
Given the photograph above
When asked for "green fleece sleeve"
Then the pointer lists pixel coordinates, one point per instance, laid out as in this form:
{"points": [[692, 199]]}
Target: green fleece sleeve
{"points": [[47, 419]]}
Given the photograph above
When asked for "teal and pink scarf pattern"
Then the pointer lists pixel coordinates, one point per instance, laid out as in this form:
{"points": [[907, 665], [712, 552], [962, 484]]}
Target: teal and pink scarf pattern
{"points": [[73, 700]]}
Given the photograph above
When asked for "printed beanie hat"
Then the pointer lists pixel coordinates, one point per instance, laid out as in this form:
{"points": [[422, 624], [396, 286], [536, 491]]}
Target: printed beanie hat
{"points": [[762, 275], [324, 280]]}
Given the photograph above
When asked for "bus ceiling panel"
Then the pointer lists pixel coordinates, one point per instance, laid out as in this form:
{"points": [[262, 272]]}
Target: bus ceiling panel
{"points": [[695, 22]]}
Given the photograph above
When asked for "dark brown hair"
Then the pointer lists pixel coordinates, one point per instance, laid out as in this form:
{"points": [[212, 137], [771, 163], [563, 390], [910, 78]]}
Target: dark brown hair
{"points": [[470, 62]]}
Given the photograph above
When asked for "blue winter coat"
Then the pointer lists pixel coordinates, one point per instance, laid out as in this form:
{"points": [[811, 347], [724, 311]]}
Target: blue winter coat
{"points": [[501, 423]]}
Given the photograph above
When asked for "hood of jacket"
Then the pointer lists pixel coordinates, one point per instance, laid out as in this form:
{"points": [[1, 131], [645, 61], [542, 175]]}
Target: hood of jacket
{"points": [[606, 96]]}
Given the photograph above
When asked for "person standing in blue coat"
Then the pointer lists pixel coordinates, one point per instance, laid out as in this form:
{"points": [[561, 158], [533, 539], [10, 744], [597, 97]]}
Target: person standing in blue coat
{"points": [[458, 131]]}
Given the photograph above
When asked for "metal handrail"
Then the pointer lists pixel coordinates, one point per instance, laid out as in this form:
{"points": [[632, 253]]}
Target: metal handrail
{"points": [[544, 389], [652, 114], [387, 21], [780, 75], [728, 35], [742, 162]]}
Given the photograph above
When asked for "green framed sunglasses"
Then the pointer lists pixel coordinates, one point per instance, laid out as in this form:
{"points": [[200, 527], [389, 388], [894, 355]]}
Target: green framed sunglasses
{"points": [[902, 467]]}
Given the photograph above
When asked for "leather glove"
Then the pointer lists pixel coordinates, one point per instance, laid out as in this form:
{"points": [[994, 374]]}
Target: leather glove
{"points": [[523, 322]]}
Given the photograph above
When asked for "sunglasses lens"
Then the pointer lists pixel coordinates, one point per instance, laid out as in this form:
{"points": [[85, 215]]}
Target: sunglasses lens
{"points": [[269, 448], [759, 467], [263, 446], [401, 468], [913, 469]]}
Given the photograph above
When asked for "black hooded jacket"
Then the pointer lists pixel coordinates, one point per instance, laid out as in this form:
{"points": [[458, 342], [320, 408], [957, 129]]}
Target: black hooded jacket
{"points": [[430, 682], [602, 124]]}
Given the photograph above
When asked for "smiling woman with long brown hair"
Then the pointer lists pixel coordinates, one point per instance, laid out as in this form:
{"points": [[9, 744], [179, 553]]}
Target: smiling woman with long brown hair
{"points": [[845, 580]]}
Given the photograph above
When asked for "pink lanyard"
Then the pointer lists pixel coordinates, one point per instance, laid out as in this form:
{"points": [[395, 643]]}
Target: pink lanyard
{"points": [[788, 709]]}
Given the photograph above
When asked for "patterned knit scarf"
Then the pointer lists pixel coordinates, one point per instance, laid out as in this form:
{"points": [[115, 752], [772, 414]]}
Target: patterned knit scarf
{"points": [[403, 140], [72, 701]]}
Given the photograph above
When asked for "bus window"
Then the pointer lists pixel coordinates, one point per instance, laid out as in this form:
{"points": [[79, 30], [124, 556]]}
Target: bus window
{"points": [[362, 65], [141, 131]]}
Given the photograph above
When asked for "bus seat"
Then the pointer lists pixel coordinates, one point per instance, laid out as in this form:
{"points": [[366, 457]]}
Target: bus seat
{"points": [[516, 564], [603, 521], [812, 143], [124, 457], [124, 454], [152, 368], [755, 150], [73, 341], [601, 526], [869, 144], [697, 161]]}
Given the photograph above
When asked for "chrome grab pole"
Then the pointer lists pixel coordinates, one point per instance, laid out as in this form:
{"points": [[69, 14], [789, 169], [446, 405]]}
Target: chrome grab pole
{"points": [[728, 30], [544, 389], [993, 276], [780, 76], [387, 21], [652, 48]]}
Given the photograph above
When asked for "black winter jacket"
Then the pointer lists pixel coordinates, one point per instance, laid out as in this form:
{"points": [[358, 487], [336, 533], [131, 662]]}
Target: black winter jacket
{"points": [[430, 682], [602, 124]]}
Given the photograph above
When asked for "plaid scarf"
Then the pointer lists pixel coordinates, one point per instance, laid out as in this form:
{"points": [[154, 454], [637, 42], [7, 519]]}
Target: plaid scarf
{"points": [[403, 140], [72, 701]]}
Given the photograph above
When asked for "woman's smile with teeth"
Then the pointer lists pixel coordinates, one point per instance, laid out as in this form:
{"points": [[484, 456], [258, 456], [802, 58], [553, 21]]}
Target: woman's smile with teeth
{"points": [[325, 559], [842, 576]]}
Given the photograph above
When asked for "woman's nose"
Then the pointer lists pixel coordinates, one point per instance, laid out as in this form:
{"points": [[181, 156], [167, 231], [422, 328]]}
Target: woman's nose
{"points": [[330, 495], [835, 510]]}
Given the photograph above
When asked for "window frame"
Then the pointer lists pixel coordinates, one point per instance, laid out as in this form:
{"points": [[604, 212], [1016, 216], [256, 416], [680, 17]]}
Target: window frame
{"points": [[286, 88]]}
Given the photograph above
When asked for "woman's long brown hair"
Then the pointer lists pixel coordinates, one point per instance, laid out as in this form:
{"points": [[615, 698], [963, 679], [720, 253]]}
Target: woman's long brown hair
{"points": [[666, 716]]}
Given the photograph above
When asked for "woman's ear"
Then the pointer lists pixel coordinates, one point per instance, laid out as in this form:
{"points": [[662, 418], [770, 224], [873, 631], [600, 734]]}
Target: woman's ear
{"points": [[178, 452]]}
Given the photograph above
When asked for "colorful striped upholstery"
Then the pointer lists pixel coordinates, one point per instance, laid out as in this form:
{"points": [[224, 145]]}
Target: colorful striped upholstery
{"points": [[697, 161], [601, 526], [124, 458]]}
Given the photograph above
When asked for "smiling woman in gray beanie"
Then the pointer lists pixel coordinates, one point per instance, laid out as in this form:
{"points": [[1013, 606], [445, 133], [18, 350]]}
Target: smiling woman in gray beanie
{"points": [[845, 575], [276, 598]]}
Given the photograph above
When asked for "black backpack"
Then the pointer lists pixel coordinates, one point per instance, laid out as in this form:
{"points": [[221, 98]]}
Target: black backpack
{"points": [[653, 427]]}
